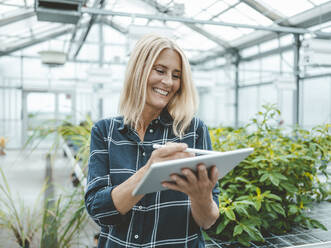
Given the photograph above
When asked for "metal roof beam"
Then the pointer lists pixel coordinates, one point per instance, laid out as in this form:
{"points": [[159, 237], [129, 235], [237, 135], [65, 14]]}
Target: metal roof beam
{"points": [[84, 34], [113, 25], [38, 40], [16, 18], [192, 26], [267, 12], [195, 21]]}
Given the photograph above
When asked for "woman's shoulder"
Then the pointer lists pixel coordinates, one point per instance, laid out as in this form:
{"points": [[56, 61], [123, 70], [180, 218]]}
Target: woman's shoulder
{"points": [[197, 123], [107, 123]]}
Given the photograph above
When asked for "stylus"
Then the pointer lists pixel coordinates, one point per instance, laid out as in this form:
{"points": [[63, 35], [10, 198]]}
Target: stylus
{"points": [[192, 150]]}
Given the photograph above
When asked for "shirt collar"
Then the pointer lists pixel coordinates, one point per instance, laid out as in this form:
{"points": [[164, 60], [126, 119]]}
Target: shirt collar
{"points": [[164, 118], [123, 128]]}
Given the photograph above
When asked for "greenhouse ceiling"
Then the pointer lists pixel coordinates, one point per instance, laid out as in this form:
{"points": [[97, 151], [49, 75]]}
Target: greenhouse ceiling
{"points": [[205, 29]]}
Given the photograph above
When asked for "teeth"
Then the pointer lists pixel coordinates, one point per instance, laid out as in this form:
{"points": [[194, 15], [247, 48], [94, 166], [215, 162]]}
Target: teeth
{"points": [[162, 92]]}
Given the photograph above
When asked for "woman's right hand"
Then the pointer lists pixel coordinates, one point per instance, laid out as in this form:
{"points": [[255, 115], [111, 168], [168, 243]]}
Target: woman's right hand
{"points": [[169, 152]]}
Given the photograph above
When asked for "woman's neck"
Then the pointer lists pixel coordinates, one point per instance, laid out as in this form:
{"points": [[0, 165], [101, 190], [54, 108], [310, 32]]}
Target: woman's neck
{"points": [[146, 117]]}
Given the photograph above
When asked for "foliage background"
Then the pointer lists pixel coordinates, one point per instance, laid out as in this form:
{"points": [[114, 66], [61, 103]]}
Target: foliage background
{"points": [[270, 191], [273, 188]]}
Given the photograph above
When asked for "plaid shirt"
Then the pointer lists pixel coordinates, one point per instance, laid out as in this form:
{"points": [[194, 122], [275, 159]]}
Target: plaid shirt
{"points": [[161, 219]]}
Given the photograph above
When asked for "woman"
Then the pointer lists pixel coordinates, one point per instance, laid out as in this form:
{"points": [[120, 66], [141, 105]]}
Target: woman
{"points": [[157, 104]]}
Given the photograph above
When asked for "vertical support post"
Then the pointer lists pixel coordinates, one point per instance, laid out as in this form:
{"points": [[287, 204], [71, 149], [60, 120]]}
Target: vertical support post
{"points": [[236, 90], [296, 71]]}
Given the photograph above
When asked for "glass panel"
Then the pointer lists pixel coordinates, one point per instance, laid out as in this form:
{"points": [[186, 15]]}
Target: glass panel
{"points": [[252, 14], [193, 8], [268, 94], [235, 17], [64, 103], [34, 106], [316, 100], [227, 33], [114, 36], [188, 39], [131, 7], [285, 103], [317, 2], [217, 8], [287, 61], [288, 8], [248, 101], [89, 52], [6, 9], [230, 2], [271, 63], [249, 51]]}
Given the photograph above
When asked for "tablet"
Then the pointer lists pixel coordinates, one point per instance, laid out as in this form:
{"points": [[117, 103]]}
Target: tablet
{"points": [[161, 171]]}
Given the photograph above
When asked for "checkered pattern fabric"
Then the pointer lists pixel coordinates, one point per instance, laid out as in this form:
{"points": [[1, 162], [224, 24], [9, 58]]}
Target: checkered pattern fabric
{"points": [[161, 219]]}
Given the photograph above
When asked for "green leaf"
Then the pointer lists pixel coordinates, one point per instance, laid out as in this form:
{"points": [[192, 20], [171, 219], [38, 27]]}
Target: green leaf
{"points": [[244, 241], [273, 196], [264, 177], [253, 233], [241, 210], [318, 224], [222, 225], [258, 205], [245, 202], [278, 208], [259, 159], [205, 235], [230, 214], [279, 176], [238, 229], [241, 179], [274, 180], [289, 187], [293, 209]]}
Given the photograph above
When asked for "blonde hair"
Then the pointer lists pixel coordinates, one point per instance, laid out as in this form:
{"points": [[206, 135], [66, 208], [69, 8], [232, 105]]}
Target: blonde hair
{"points": [[181, 107]]}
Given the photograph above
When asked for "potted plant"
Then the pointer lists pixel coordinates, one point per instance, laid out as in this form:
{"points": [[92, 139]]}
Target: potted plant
{"points": [[3, 142]]}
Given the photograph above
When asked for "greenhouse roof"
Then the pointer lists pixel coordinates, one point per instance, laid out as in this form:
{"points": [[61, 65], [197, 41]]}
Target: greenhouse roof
{"points": [[205, 29]]}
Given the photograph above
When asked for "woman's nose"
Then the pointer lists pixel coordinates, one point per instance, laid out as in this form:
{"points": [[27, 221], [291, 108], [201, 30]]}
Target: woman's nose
{"points": [[167, 79]]}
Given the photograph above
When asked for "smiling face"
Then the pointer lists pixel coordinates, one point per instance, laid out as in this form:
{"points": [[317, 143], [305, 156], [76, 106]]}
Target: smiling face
{"points": [[163, 81]]}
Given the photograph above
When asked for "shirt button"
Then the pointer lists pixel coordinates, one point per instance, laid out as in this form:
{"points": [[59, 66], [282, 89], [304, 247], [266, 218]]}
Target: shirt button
{"points": [[151, 130], [144, 154], [136, 236]]}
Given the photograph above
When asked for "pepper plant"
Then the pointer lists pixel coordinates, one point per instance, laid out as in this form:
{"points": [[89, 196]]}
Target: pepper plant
{"points": [[272, 189]]}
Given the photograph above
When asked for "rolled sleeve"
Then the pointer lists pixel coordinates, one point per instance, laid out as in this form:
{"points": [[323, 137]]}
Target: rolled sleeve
{"points": [[98, 200]]}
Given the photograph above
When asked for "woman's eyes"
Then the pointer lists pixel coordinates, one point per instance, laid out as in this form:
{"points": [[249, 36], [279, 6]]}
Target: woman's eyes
{"points": [[160, 71]]}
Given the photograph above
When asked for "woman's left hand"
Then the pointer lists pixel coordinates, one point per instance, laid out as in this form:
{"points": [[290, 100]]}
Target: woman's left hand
{"points": [[196, 186], [199, 188]]}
